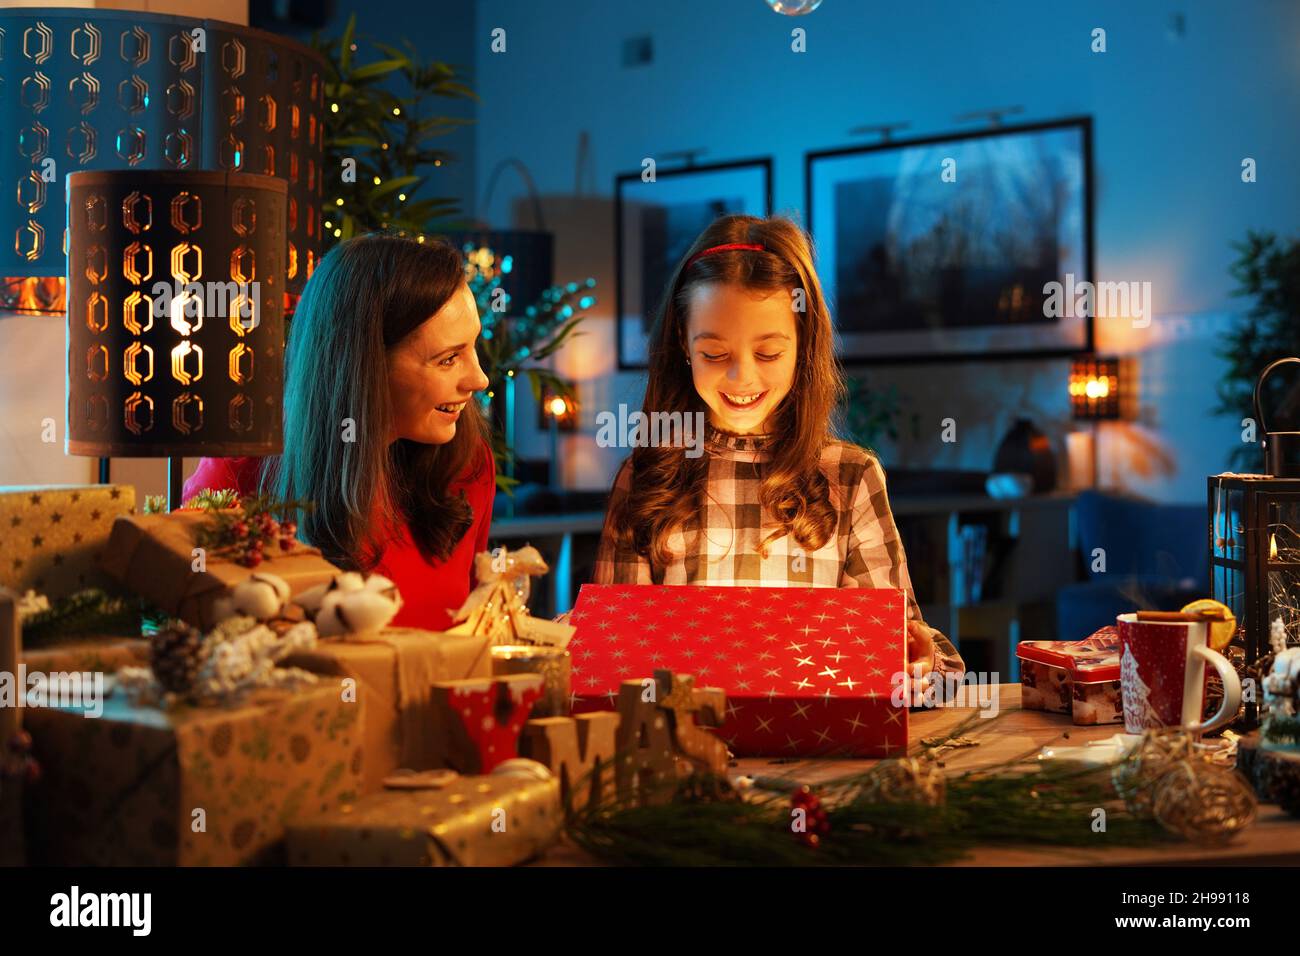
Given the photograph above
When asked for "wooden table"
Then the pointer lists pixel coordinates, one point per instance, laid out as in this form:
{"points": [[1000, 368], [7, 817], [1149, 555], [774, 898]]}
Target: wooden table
{"points": [[1274, 839]]}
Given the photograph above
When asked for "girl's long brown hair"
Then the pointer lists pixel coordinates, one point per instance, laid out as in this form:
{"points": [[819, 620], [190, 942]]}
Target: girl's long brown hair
{"points": [[365, 296], [668, 487]]}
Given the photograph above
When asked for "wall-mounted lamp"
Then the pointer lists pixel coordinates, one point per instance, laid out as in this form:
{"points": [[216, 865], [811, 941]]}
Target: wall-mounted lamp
{"points": [[558, 411], [1095, 388]]}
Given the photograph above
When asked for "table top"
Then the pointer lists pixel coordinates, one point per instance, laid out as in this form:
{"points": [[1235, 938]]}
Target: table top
{"points": [[1274, 839]]}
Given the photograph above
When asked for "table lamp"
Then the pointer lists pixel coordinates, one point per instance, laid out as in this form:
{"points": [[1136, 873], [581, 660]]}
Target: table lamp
{"points": [[175, 324]]}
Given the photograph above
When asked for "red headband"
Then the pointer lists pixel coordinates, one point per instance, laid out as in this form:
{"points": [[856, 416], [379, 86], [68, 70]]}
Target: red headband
{"points": [[754, 247]]}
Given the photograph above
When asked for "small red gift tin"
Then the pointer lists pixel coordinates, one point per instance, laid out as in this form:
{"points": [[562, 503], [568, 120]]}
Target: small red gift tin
{"points": [[1080, 678]]}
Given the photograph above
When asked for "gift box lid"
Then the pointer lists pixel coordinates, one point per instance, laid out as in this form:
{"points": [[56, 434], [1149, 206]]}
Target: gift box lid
{"points": [[751, 642], [1092, 660]]}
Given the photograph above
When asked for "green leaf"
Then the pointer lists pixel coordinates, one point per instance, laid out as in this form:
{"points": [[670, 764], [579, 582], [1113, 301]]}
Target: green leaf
{"points": [[378, 68], [345, 48], [392, 185]]}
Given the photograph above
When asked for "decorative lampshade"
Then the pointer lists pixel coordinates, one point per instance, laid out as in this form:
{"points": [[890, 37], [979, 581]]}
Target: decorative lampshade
{"points": [[96, 89], [1095, 388], [175, 313]]}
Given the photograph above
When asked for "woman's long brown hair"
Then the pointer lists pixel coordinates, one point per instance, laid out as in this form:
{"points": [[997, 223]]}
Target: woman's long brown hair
{"points": [[365, 296], [668, 487]]}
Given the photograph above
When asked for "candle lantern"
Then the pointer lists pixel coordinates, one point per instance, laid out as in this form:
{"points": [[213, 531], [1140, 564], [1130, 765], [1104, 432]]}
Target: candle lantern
{"points": [[175, 314], [1254, 533]]}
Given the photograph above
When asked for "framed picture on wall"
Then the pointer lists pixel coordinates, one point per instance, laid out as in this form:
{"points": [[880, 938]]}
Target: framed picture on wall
{"points": [[946, 247], [656, 222]]}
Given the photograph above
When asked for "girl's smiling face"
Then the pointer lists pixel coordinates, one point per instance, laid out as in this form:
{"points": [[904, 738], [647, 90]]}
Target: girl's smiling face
{"points": [[742, 346], [434, 372]]}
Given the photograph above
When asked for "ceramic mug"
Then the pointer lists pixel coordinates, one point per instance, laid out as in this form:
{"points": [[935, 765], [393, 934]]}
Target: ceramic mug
{"points": [[1162, 675]]}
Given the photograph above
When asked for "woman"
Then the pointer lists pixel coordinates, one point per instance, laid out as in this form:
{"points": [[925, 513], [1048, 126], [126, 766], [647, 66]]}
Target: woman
{"points": [[381, 430], [744, 338]]}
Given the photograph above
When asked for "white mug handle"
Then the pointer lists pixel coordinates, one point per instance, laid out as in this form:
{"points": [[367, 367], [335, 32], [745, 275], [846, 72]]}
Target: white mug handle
{"points": [[1231, 690]]}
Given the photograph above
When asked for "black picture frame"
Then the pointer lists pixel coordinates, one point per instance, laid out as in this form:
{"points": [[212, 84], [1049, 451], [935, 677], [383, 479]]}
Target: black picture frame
{"points": [[1014, 340], [701, 193]]}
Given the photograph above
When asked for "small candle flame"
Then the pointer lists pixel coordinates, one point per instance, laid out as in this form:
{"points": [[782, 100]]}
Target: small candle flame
{"points": [[1272, 547]]}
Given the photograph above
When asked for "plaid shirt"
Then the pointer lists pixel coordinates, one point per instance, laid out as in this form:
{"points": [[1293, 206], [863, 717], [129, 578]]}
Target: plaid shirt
{"points": [[723, 545]]}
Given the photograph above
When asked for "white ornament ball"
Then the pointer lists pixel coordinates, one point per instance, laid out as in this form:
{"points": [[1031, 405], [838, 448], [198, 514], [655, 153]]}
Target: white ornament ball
{"points": [[524, 768]]}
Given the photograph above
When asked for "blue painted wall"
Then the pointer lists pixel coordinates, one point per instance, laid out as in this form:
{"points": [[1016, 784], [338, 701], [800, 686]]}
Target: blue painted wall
{"points": [[1176, 109]]}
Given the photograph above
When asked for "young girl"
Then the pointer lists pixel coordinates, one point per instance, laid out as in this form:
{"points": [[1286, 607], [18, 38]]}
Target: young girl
{"points": [[381, 429], [744, 336]]}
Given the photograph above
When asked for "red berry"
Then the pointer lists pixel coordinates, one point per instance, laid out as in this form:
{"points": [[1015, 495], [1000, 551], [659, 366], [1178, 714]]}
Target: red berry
{"points": [[286, 544], [32, 771], [253, 559], [257, 544], [239, 529], [289, 528]]}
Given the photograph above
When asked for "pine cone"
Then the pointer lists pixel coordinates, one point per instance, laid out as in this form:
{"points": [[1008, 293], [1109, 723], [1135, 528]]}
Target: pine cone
{"points": [[177, 654]]}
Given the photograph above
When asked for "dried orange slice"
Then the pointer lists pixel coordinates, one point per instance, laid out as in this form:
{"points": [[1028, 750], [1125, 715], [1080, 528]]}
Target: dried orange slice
{"points": [[1223, 625]]}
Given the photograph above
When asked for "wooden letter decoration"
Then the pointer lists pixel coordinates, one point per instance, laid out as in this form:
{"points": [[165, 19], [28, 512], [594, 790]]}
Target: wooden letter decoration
{"points": [[483, 718], [580, 752], [659, 741]]}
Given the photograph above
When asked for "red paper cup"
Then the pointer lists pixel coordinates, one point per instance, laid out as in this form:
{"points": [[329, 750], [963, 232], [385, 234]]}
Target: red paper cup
{"points": [[1162, 675]]}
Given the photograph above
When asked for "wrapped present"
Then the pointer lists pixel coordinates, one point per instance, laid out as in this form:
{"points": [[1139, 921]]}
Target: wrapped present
{"points": [[493, 820], [88, 654], [806, 671], [143, 786], [552, 663], [1080, 678], [11, 802], [50, 536], [394, 673], [154, 555]]}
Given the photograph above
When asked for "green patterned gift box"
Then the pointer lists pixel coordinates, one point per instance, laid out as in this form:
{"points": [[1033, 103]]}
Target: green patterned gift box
{"points": [[193, 786]]}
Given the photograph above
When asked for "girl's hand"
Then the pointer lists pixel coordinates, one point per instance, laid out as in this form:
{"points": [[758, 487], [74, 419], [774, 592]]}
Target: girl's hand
{"points": [[919, 661], [920, 648]]}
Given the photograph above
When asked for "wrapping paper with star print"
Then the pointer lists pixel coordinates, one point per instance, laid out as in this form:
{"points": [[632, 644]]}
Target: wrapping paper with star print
{"points": [[446, 826], [121, 790], [807, 671], [50, 536]]}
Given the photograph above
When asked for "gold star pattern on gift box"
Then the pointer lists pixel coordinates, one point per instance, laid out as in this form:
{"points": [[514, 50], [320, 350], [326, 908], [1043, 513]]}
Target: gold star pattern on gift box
{"points": [[50, 536], [807, 671]]}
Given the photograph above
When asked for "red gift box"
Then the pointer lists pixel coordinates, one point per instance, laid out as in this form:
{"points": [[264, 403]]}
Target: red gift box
{"points": [[807, 671]]}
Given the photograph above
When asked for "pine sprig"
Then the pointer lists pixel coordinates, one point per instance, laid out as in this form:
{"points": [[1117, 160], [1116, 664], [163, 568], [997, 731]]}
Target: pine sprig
{"points": [[91, 611], [1004, 805]]}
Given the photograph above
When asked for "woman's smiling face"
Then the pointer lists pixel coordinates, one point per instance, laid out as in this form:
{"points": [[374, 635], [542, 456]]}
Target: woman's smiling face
{"points": [[742, 346], [433, 372]]}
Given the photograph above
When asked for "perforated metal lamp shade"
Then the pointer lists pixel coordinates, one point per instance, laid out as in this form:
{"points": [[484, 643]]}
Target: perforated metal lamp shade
{"points": [[151, 372], [96, 89]]}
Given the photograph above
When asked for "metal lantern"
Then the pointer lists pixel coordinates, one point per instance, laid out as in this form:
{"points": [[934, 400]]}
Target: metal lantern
{"points": [[1255, 557], [96, 89], [175, 313]]}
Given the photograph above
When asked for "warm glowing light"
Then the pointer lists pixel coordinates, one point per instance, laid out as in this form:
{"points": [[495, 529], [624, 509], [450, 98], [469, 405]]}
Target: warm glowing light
{"points": [[1272, 547], [377, 180], [338, 202], [1097, 388], [396, 111], [334, 107], [558, 406], [402, 196]]}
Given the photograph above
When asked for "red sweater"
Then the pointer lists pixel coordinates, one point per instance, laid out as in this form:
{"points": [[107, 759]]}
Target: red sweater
{"points": [[430, 589]]}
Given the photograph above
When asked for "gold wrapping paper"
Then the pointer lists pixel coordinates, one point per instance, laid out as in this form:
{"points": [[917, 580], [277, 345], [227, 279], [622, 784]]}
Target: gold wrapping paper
{"points": [[153, 555], [50, 536], [452, 826], [105, 655], [395, 671], [11, 648], [124, 789], [11, 802], [552, 663]]}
